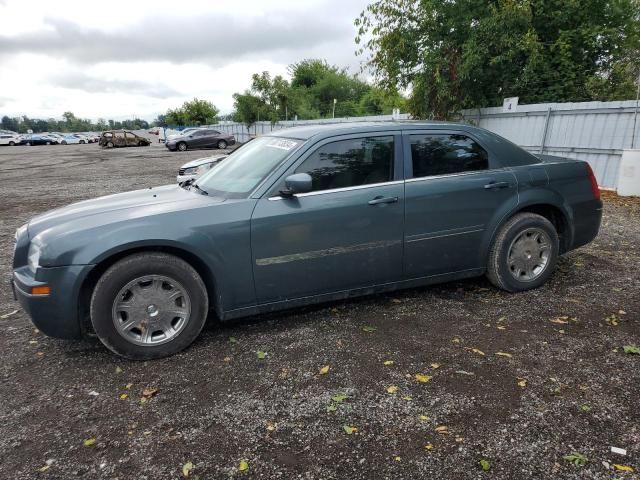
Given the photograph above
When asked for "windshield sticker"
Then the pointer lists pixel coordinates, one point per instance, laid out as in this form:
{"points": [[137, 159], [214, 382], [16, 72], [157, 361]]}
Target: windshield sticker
{"points": [[282, 144]]}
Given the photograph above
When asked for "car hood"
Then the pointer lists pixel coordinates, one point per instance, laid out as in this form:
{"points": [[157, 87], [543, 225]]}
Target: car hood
{"points": [[138, 203], [201, 161]]}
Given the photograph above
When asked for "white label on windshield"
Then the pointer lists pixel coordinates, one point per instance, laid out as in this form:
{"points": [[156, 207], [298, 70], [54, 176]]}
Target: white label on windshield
{"points": [[282, 144]]}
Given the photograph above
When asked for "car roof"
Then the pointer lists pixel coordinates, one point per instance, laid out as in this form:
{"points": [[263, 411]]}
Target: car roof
{"points": [[509, 153], [329, 129]]}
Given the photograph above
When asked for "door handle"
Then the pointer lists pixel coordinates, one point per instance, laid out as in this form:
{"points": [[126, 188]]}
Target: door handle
{"points": [[492, 185], [379, 200]]}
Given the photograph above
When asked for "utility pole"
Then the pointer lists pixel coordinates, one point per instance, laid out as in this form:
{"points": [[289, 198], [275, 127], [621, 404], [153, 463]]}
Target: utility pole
{"points": [[333, 115], [635, 115]]}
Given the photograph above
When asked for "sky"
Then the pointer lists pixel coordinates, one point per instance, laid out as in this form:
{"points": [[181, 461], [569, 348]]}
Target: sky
{"points": [[119, 59]]}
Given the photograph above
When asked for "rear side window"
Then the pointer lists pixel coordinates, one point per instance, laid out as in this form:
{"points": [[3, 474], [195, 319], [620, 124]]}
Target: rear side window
{"points": [[446, 154], [350, 163]]}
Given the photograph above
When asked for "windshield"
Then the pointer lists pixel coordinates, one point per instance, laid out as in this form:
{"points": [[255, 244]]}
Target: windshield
{"points": [[245, 168]]}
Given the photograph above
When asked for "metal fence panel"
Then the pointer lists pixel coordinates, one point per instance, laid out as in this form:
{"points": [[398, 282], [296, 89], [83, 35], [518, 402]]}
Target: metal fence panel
{"points": [[593, 131]]}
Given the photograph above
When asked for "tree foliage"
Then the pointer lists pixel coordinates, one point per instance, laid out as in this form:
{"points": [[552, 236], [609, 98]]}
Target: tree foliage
{"points": [[310, 94], [195, 112], [69, 123], [472, 53]]}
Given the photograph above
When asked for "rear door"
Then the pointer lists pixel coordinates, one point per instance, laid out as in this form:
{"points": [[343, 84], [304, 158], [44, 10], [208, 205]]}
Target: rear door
{"points": [[344, 234], [453, 190]]}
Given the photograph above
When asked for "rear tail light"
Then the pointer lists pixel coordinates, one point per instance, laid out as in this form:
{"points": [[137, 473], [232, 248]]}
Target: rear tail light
{"points": [[594, 183]]}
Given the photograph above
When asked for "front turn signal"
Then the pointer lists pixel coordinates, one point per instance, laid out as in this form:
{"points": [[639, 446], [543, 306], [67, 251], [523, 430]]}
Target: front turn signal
{"points": [[43, 290]]}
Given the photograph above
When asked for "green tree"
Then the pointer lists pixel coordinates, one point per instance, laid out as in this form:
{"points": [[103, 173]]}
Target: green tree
{"points": [[194, 112], [473, 53], [247, 108]]}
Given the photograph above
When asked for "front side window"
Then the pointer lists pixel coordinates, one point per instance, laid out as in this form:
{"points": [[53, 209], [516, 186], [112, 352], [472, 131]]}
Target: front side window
{"points": [[443, 154], [350, 163]]}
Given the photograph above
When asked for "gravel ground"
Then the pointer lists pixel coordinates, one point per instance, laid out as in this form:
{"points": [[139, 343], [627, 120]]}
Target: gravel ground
{"points": [[561, 384]]}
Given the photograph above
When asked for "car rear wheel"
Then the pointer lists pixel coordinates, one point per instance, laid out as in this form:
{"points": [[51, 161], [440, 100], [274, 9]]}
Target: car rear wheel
{"points": [[182, 146], [109, 144], [28, 144], [81, 141], [524, 253], [149, 305], [47, 143], [64, 142], [222, 144]]}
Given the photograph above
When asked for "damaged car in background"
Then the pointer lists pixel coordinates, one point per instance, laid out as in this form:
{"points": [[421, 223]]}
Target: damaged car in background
{"points": [[122, 138], [302, 216]]}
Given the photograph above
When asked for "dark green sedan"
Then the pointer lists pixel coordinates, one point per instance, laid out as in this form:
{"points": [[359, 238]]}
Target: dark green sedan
{"points": [[297, 217]]}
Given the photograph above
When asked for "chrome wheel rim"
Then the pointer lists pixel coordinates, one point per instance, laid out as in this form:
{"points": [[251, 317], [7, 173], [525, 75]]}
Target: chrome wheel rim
{"points": [[529, 254], [182, 147], [151, 310]]}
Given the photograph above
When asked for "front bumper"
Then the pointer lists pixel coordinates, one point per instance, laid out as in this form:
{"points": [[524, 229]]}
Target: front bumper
{"points": [[171, 146], [184, 178], [56, 314]]}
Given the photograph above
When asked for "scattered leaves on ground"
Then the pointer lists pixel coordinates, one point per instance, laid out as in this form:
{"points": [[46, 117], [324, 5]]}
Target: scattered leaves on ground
{"points": [[243, 466], [260, 354], [475, 350], [186, 469], [423, 378], [339, 397], [349, 429], [233, 340], [485, 464], [368, 329], [89, 441], [585, 408], [442, 429], [522, 382], [7, 315], [504, 354], [576, 458], [388, 362], [435, 366], [423, 418], [428, 446], [149, 392], [392, 389], [331, 407], [631, 349], [118, 370], [622, 468], [324, 370], [124, 396]]}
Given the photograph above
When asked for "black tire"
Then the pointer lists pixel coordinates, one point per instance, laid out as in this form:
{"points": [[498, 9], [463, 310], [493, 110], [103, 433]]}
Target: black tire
{"points": [[109, 144], [48, 143], [12, 144], [182, 146], [81, 142], [135, 266], [222, 144], [64, 142], [498, 270], [28, 144]]}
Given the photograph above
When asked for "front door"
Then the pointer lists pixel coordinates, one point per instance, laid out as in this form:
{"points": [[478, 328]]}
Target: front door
{"points": [[454, 189], [346, 233]]}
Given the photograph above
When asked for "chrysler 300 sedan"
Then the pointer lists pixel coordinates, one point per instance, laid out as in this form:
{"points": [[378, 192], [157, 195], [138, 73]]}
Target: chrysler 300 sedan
{"points": [[301, 216]]}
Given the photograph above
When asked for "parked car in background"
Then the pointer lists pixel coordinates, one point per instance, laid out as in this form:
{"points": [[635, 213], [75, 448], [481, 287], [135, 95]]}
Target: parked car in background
{"points": [[122, 138], [82, 139], [38, 139], [9, 139], [69, 140], [202, 138], [195, 168], [303, 216]]}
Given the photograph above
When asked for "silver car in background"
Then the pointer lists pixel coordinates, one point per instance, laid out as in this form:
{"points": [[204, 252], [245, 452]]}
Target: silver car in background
{"points": [[195, 168]]}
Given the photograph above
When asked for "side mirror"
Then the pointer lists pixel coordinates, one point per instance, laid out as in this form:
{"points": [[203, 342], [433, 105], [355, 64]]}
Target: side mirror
{"points": [[296, 183]]}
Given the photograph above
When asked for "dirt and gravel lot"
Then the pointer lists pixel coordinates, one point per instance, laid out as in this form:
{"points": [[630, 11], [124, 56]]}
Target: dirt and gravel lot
{"points": [[517, 380]]}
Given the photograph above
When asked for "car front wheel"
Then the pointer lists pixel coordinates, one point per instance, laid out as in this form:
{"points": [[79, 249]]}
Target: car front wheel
{"points": [[149, 305], [524, 253], [12, 144], [182, 146], [222, 144]]}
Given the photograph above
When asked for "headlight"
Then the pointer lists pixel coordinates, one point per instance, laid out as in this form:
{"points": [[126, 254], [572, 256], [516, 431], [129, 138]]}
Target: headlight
{"points": [[33, 257], [21, 231], [190, 171], [203, 168]]}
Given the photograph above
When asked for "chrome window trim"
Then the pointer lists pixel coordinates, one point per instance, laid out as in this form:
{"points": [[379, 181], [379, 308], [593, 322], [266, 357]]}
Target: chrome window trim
{"points": [[344, 189], [460, 174]]}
